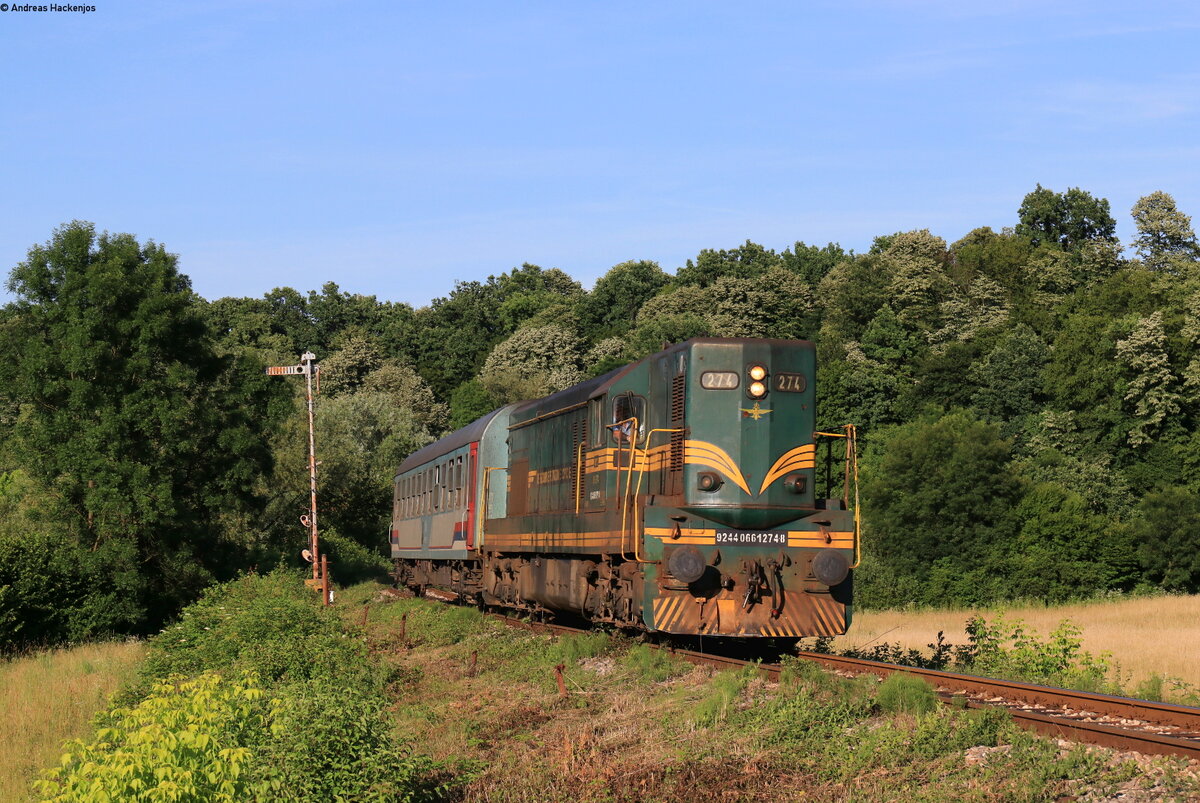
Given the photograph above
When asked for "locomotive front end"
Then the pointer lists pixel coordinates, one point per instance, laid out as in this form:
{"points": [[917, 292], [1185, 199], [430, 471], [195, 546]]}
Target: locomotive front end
{"points": [[757, 536]]}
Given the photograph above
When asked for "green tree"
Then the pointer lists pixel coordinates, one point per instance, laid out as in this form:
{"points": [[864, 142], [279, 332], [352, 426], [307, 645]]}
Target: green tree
{"points": [[246, 326], [851, 295], [1152, 388], [1066, 219], [291, 318], [470, 400], [777, 303], [333, 312], [812, 264], [1007, 380], [344, 370], [744, 262], [916, 263], [613, 304], [1167, 527], [1000, 257], [1063, 550], [940, 489], [1165, 240], [455, 335], [130, 421], [406, 388], [534, 362]]}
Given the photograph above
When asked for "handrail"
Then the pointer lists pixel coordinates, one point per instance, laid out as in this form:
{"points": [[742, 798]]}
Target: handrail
{"points": [[638, 488], [851, 471], [633, 436]]}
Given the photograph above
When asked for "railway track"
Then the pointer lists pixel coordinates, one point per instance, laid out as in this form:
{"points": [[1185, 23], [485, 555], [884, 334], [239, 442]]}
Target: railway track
{"points": [[1121, 723]]}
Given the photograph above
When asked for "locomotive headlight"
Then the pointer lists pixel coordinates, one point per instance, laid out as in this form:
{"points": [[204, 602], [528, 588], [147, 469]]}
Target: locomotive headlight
{"points": [[708, 481], [758, 373], [757, 390]]}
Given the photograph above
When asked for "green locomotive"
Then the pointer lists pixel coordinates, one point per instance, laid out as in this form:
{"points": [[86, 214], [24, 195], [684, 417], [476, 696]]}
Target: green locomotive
{"points": [[676, 494]]}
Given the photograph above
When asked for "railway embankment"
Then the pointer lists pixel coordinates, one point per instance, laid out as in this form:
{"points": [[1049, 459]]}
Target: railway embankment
{"points": [[595, 717], [257, 693]]}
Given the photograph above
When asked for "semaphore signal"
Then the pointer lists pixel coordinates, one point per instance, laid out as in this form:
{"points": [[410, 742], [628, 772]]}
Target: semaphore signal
{"points": [[309, 369]]}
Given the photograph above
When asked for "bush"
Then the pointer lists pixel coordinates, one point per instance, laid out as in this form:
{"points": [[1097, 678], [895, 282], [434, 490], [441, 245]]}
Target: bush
{"points": [[334, 744], [189, 740], [270, 625], [52, 590], [311, 710]]}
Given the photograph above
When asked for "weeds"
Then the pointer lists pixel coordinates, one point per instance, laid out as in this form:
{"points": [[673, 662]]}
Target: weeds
{"points": [[651, 665], [902, 693], [723, 690]]}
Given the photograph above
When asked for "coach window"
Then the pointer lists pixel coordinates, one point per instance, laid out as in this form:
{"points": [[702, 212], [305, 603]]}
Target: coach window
{"points": [[458, 482]]}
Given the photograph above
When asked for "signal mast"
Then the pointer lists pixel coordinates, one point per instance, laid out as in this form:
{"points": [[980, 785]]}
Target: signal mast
{"points": [[320, 564]]}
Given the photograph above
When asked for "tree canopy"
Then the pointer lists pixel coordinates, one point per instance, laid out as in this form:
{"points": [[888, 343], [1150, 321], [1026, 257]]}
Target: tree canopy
{"points": [[1027, 399]]}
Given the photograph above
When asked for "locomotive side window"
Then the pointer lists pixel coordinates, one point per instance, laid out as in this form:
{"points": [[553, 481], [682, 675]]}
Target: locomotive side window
{"points": [[596, 416], [624, 408]]}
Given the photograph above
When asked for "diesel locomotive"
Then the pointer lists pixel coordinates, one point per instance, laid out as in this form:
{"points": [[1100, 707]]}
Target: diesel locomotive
{"points": [[677, 494]]}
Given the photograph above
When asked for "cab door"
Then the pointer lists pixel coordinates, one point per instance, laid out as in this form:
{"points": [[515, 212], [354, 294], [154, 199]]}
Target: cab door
{"points": [[596, 458]]}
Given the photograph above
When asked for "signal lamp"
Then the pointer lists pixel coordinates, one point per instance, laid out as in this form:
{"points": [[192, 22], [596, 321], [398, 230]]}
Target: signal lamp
{"points": [[757, 372], [757, 390]]}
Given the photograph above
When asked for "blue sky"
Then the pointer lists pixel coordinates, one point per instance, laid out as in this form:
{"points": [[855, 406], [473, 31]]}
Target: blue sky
{"points": [[396, 147]]}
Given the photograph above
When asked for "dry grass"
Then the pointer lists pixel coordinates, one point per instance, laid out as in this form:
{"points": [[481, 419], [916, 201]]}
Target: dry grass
{"points": [[50, 697], [1154, 635]]}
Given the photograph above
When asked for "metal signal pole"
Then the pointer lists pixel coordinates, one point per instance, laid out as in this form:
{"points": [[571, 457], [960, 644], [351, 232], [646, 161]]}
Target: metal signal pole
{"points": [[306, 360], [309, 368]]}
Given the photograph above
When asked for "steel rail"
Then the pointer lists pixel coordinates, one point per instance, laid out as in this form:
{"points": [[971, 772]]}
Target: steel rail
{"points": [[1147, 710]]}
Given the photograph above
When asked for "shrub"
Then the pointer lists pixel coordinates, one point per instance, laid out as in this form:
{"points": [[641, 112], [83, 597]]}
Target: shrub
{"points": [[270, 625], [189, 740], [51, 591], [310, 709], [334, 745]]}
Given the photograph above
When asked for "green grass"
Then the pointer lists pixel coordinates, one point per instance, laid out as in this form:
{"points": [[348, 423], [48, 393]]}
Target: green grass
{"points": [[639, 724]]}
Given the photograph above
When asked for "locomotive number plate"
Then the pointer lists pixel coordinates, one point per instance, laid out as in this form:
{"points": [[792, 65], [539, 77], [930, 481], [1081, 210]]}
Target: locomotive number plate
{"points": [[740, 537]]}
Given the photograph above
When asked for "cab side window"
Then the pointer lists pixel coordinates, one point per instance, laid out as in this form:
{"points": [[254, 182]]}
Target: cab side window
{"points": [[624, 408]]}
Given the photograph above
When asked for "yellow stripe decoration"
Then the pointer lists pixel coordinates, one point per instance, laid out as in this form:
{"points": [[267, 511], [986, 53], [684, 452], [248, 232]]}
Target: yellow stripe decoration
{"points": [[798, 458], [706, 454]]}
